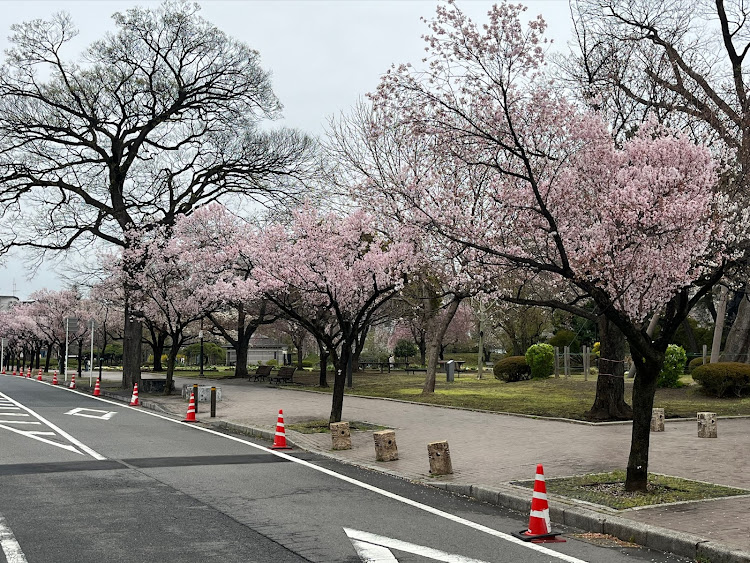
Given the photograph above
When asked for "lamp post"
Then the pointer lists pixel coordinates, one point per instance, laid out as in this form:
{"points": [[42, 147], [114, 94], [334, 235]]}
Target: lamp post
{"points": [[200, 335]]}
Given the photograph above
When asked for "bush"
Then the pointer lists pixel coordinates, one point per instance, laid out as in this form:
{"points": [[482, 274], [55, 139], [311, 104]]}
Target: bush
{"points": [[512, 368], [674, 364], [272, 363], [541, 360], [405, 349], [696, 362], [723, 377]]}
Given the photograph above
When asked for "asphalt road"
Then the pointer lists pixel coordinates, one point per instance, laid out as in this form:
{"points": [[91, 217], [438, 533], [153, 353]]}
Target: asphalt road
{"points": [[87, 480]]}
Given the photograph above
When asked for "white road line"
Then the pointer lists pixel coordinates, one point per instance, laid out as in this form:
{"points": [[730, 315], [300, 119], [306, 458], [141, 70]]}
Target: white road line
{"points": [[9, 545], [370, 553], [60, 431], [369, 542], [35, 436], [13, 413], [366, 486], [21, 422]]}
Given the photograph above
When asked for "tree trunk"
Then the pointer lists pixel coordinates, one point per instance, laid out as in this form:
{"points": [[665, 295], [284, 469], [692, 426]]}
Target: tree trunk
{"points": [[171, 362], [644, 388], [609, 403], [158, 348], [737, 346], [299, 357], [436, 329], [339, 382], [721, 315], [323, 352], [80, 358], [131, 348], [48, 359], [422, 345]]}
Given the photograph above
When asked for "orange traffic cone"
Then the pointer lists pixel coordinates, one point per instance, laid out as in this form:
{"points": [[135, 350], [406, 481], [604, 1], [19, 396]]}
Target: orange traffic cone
{"points": [[190, 416], [73, 381], [134, 398], [28, 373], [279, 440], [540, 528], [54, 378], [3, 371], [14, 371], [97, 390], [39, 377]]}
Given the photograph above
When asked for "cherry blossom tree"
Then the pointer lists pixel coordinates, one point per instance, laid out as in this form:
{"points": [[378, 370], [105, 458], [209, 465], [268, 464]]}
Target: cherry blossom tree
{"points": [[633, 227], [332, 263]]}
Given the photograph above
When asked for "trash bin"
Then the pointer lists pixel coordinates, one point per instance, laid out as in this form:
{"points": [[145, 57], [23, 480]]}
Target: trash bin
{"points": [[450, 370]]}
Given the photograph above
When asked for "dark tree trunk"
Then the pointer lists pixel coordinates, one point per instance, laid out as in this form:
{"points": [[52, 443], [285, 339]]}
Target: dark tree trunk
{"points": [[339, 382], [644, 388], [299, 357], [131, 348], [48, 359], [324, 355], [171, 362], [80, 358], [157, 345], [437, 327], [609, 403], [422, 345], [690, 335]]}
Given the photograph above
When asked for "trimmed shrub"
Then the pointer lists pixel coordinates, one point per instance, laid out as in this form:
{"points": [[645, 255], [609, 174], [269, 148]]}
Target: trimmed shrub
{"points": [[674, 364], [405, 349], [696, 362], [723, 378], [512, 368], [541, 360]]}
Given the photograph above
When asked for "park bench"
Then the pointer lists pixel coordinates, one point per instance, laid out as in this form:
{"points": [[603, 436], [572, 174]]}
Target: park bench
{"points": [[415, 370], [284, 375], [262, 372]]}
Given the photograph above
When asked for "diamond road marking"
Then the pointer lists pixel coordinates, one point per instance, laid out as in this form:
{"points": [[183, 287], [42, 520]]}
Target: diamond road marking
{"points": [[101, 415]]}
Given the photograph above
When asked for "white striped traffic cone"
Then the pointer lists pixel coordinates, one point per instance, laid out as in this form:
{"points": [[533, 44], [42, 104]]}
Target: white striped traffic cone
{"points": [[134, 398], [540, 527], [72, 381], [190, 416], [279, 439], [97, 389], [39, 377]]}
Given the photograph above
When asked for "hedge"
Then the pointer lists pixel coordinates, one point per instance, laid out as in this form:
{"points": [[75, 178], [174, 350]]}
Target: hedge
{"points": [[512, 368], [722, 378]]}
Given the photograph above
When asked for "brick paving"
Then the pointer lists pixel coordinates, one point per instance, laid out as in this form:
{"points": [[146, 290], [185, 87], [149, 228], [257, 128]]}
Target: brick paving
{"points": [[491, 450]]}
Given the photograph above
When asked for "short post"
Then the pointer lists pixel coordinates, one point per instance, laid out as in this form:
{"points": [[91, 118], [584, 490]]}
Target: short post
{"points": [[557, 361], [657, 420], [213, 402], [195, 394], [707, 425], [450, 371], [705, 351], [341, 437], [385, 445], [566, 360], [440, 458], [585, 363]]}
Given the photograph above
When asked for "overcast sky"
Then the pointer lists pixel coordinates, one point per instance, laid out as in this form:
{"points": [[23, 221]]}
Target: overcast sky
{"points": [[323, 55]]}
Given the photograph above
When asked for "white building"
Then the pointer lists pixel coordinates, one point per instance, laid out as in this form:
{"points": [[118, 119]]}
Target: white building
{"points": [[261, 349]]}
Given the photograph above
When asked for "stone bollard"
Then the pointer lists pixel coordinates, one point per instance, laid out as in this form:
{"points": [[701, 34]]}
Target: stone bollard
{"points": [[707, 425], [385, 445], [340, 435], [440, 458], [203, 395], [657, 420]]}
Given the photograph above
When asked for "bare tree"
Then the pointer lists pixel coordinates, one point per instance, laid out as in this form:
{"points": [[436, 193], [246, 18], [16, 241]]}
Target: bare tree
{"points": [[156, 119]]}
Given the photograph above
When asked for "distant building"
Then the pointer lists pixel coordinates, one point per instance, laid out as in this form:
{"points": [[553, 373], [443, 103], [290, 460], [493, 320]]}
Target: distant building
{"points": [[261, 349], [7, 301]]}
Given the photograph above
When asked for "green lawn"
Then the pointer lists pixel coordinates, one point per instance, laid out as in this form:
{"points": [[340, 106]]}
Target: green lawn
{"points": [[553, 397]]}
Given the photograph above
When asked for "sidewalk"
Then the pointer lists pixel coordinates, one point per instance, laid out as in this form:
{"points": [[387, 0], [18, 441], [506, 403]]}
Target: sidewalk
{"points": [[489, 450]]}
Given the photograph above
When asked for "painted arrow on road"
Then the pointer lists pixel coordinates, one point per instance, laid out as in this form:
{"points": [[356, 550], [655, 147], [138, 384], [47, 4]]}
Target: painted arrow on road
{"points": [[373, 548]]}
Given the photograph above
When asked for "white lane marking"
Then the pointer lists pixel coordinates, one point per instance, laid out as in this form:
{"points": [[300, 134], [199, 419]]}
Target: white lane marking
{"points": [[370, 553], [35, 436], [9, 545], [60, 431], [375, 541], [14, 413], [102, 415], [20, 422], [371, 488]]}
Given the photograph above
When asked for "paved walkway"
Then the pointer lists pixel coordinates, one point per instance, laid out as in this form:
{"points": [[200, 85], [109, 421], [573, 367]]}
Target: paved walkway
{"points": [[491, 450]]}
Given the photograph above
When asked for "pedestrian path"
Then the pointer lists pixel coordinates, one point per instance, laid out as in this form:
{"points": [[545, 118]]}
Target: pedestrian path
{"points": [[490, 450]]}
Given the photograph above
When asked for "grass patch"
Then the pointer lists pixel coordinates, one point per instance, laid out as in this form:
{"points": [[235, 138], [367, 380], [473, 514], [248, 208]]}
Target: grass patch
{"points": [[321, 426], [553, 397], [608, 489]]}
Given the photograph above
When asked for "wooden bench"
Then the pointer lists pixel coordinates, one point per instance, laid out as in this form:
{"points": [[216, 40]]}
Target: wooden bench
{"points": [[284, 375], [415, 370], [262, 372]]}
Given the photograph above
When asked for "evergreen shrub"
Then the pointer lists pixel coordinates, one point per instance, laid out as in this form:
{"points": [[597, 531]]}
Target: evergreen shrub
{"points": [[541, 360], [723, 378], [512, 368]]}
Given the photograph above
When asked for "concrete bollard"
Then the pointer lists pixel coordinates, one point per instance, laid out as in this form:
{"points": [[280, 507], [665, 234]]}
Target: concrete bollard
{"points": [[657, 420], [341, 436], [385, 445], [202, 393], [440, 458], [707, 425]]}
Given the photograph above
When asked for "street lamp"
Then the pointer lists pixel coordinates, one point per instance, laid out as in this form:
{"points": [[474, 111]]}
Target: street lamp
{"points": [[200, 335]]}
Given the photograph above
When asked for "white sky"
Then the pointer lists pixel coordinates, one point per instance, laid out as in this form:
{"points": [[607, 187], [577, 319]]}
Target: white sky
{"points": [[324, 55]]}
